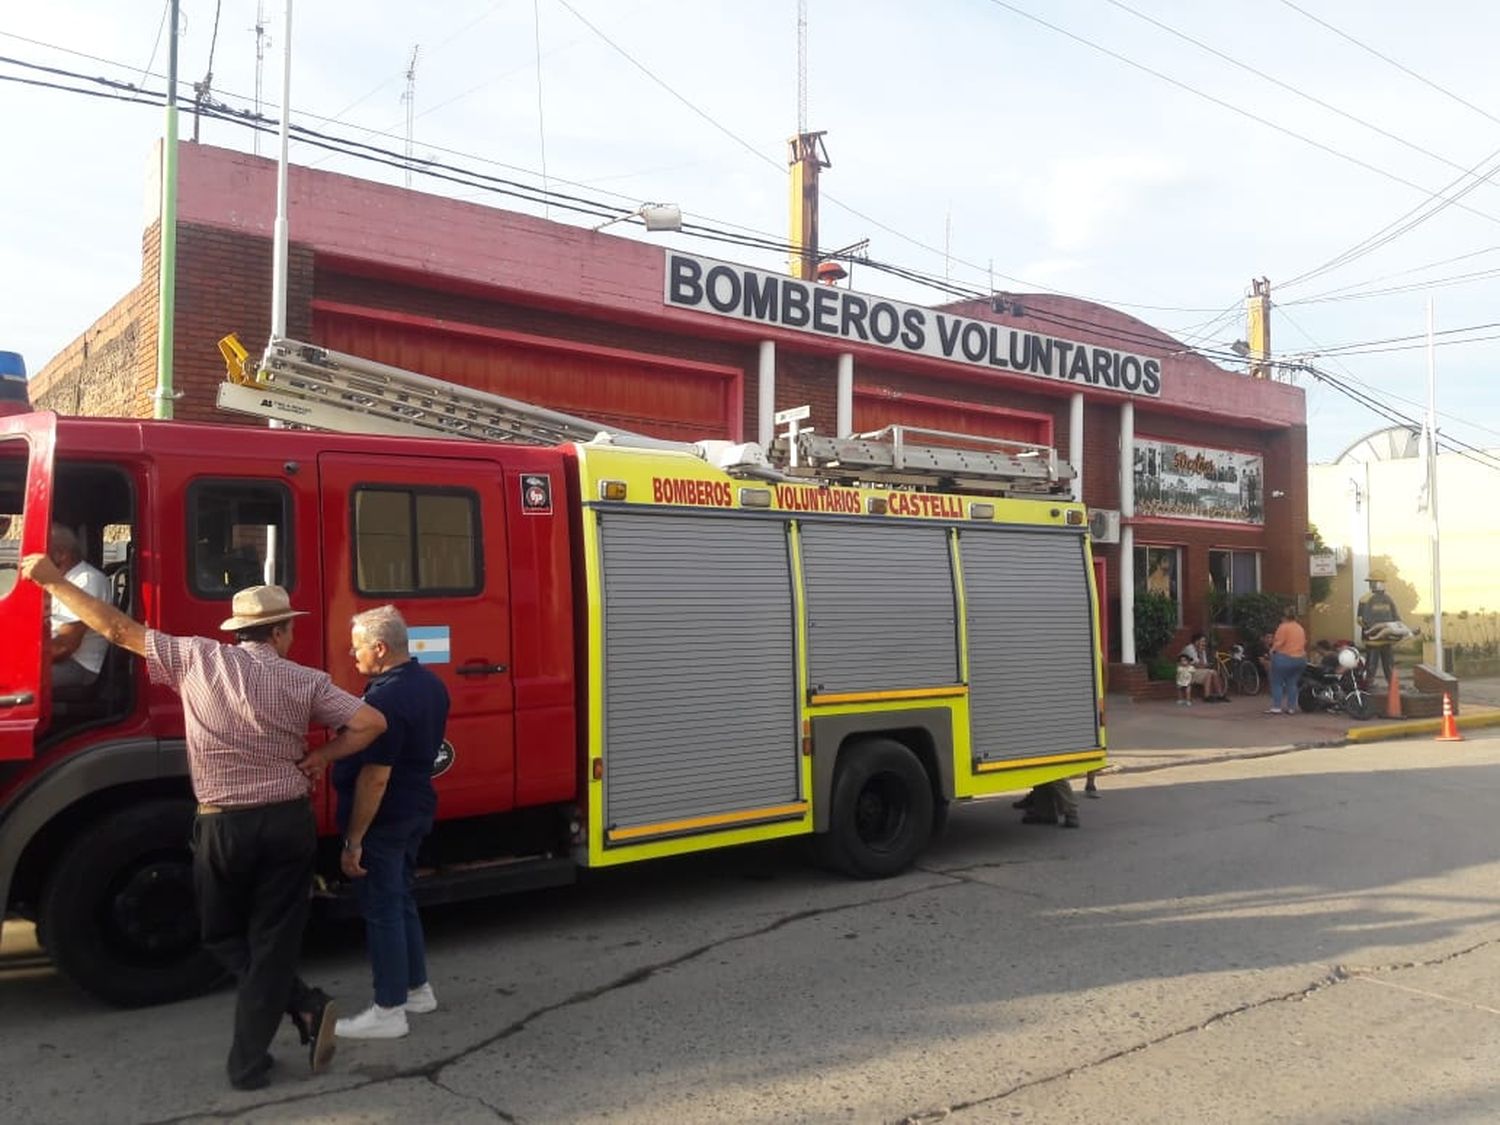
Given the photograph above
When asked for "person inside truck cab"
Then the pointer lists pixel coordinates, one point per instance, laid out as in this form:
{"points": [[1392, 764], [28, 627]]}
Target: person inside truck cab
{"points": [[77, 651]]}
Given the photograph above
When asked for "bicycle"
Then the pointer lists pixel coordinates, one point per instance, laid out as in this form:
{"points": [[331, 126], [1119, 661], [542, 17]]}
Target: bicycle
{"points": [[1238, 671]]}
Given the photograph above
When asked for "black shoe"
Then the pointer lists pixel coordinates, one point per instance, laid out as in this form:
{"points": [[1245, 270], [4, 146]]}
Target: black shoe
{"points": [[1038, 818], [1092, 793], [1023, 803], [1070, 821], [315, 1027], [257, 1079]]}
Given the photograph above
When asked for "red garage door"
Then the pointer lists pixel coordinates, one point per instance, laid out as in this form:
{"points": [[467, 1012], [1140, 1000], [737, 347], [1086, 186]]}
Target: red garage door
{"points": [[661, 397], [874, 409]]}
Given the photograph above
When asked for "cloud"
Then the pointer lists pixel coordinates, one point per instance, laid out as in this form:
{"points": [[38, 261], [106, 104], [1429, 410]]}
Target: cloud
{"points": [[1081, 197]]}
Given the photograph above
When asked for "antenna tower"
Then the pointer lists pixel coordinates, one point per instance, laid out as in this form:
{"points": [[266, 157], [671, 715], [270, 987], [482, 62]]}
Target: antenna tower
{"points": [[410, 98], [801, 67], [261, 43]]}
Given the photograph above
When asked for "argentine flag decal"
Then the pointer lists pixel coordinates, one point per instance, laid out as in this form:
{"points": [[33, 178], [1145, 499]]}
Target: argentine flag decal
{"points": [[429, 643]]}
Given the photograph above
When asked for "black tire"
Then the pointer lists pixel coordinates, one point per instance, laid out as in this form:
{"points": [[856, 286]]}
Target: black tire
{"points": [[1246, 678], [881, 815], [1359, 705], [1306, 699], [119, 911]]}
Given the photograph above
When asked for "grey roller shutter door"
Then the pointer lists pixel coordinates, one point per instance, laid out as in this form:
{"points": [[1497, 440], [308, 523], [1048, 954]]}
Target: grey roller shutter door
{"points": [[699, 677], [1031, 658], [881, 611]]}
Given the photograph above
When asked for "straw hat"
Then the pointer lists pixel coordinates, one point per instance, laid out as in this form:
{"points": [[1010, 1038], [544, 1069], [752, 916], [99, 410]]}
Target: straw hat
{"points": [[260, 605]]}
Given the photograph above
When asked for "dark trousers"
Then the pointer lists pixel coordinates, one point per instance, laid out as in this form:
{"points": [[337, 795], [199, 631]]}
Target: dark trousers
{"points": [[1381, 657], [393, 929], [253, 871]]}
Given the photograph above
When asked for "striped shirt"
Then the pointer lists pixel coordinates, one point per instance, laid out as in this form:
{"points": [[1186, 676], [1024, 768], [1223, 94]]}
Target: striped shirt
{"points": [[247, 711]]}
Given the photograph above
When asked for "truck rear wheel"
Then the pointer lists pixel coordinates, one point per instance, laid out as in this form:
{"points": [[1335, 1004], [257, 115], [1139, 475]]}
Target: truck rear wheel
{"points": [[881, 815], [119, 911]]}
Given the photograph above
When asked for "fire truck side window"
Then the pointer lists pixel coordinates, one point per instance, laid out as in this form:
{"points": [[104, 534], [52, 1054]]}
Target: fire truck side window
{"points": [[238, 535], [416, 541]]}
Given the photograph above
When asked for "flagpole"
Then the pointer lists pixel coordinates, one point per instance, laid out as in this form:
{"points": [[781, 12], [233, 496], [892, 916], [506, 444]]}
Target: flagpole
{"points": [[1430, 452]]}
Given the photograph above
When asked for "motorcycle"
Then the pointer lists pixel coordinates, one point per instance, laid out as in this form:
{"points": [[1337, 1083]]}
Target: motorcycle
{"points": [[1342, 685]]}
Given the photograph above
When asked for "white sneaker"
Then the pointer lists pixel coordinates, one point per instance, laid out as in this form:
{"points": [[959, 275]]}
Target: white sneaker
{"points": [[421, 999], [374, 1022]]}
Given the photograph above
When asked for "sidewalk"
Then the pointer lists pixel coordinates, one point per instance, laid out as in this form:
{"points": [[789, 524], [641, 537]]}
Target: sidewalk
{"points": [[1159, 734]]}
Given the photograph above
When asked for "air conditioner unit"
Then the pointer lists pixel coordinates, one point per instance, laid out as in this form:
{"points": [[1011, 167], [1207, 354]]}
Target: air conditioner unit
{"points": [[1104, 526]]}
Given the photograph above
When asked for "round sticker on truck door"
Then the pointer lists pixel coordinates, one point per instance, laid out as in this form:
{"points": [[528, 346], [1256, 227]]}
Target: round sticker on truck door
{"points": [[444, 761], [536, 494]]}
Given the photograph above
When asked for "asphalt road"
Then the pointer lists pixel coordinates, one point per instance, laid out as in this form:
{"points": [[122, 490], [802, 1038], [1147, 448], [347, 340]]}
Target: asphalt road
{"points": [[1312, 937]]}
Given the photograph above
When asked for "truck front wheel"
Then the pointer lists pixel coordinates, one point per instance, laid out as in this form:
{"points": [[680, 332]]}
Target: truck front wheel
{"points": [[119, 911], [881, 815]]}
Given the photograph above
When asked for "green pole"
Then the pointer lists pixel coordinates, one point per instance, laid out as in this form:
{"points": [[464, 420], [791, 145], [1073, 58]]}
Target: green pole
{"points": [[167, 276]]}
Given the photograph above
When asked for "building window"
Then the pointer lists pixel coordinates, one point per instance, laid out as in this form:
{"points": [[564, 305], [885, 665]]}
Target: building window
{"points": [[238, 536], [415, 542], [1232, 573], [1156, 572]]}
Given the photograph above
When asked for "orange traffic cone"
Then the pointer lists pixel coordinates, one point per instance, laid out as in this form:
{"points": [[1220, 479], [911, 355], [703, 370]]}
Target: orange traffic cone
{"points": [[1450, 725], [1393, 696]]}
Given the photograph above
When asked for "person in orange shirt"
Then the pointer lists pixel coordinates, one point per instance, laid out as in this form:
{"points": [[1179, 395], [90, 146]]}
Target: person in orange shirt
{"points": [[1288, 658]]}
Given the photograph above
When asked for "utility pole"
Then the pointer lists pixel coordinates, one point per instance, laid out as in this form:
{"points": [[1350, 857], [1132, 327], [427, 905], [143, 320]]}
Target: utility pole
{"points": [[1258, 327], [279, 245], [166, 275], [410, 98]]}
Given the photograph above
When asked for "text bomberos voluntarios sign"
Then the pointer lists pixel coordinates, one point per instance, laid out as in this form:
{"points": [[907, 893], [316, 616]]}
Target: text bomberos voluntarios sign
{"points": [[711, 286]]}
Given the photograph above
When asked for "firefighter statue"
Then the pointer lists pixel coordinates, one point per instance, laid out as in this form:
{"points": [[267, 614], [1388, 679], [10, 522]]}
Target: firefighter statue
{"points": [[1380, 626]]}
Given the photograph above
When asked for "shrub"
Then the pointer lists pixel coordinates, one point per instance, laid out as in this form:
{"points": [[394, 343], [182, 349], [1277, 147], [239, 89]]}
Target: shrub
{"points": [[1155, 622], [1256, 614], [1161, 669]]}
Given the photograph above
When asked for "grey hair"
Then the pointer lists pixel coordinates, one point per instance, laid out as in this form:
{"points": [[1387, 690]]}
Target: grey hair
{"points": [[385, 624], [64, 539]]}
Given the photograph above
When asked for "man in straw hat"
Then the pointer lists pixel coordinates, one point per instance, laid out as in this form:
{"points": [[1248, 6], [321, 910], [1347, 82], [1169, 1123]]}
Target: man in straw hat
{"points": [[247, 710]]}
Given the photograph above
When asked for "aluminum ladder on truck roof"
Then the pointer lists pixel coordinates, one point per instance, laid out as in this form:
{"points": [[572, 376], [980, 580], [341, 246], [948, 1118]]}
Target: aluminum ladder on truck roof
{"points": [[307, 385], [959, 463]]}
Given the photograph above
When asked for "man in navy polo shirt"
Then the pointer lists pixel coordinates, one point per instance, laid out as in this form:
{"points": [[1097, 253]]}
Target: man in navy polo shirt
{"points": [[386, 804]]}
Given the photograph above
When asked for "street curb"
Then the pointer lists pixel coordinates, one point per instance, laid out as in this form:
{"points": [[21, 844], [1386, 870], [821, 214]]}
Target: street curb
{"points": [[1383, 731], [1118, 768]]}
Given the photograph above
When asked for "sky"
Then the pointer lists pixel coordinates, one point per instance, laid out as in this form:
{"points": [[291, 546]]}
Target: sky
{"points": [[1152, 155]]}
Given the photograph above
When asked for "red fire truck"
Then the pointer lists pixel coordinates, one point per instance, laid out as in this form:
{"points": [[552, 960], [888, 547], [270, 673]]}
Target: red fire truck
{"points": [[648, 653]]}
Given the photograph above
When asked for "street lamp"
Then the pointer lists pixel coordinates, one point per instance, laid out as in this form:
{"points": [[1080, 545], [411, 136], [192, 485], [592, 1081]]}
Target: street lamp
{"points": [[656, 216]]}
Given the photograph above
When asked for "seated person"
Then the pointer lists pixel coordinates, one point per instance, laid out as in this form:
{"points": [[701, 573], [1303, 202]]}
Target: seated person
{"points": [[1325, 655], [77, 651], [1204, 673]]}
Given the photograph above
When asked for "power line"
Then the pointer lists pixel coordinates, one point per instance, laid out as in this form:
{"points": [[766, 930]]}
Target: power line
{"points": [[1352, 378], [1453, 445], [1287, 86], [1405, 222], [155, 45], [1387, 59]]}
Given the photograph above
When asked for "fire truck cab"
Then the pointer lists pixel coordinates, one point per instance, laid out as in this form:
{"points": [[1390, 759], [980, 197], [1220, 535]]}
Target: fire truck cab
{"points": [[646, 656]]}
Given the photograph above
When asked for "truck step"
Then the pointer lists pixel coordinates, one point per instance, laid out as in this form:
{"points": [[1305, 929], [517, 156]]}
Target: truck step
{"points": [[460, 882]]}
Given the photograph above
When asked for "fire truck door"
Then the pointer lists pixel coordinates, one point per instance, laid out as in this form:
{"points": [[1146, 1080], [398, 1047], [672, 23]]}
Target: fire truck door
{"points": [[428, 536], [27, 442]]}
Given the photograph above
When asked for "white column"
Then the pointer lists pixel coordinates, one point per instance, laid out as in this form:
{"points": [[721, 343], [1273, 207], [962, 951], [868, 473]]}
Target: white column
{"points": [[767, 399], [1075, 443], [844, 395], [1127, 532]]}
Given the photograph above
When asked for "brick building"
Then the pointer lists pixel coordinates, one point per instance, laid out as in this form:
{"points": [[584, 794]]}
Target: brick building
{"points": [[670, 343]]}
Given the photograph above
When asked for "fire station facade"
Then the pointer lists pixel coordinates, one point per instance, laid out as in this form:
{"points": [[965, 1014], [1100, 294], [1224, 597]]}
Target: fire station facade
{"points": [[1206, 467]]}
